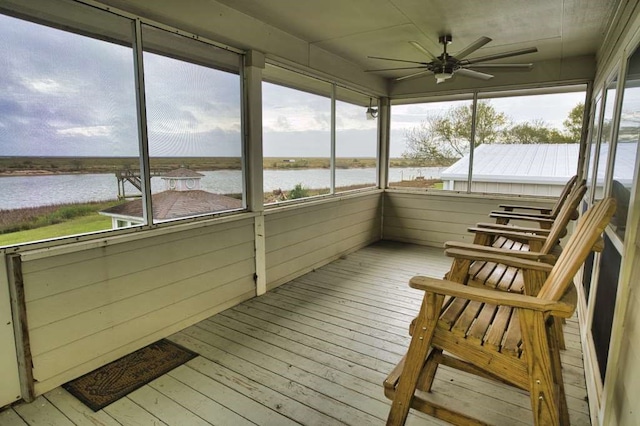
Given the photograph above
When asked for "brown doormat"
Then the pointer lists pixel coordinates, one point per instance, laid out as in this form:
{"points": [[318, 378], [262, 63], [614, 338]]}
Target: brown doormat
{"points": [[111, 382]]}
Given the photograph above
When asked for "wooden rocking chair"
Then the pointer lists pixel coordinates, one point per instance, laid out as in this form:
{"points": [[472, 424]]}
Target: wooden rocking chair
{"points": [[543, 216], [499, 335], [526, 243]]}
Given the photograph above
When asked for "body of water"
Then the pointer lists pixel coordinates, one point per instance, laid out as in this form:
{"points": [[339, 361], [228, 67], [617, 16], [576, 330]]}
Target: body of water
{"points": [[31, 191]]}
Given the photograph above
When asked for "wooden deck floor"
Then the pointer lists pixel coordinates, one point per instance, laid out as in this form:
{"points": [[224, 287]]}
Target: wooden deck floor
{"points": [[314, 351]]}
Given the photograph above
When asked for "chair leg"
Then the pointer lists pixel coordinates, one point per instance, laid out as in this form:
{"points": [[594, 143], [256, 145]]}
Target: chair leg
{"points": [[429, 371], [559, 333], [541, 377], [556, 365], [418, 348]]}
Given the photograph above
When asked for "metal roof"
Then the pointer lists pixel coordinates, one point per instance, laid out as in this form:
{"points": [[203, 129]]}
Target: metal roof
{"points": [[518, 163]]}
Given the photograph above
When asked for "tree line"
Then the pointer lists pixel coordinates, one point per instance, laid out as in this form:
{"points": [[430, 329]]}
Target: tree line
{"points": [[443, 138]]}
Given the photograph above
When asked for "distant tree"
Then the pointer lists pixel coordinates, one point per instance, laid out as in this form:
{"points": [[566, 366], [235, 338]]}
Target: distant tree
{"points": [[535, 131], [573, 123], [443, 138]]}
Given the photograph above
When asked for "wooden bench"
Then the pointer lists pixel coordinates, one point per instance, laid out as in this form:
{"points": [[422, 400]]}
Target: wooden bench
{"points": [[499, 335]]}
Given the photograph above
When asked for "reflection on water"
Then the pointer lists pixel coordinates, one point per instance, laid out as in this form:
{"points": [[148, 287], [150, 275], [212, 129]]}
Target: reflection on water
{"points": [[30, 191]]}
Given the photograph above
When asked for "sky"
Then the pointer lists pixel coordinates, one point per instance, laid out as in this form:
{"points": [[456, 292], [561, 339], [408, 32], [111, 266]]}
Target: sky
{"points": [[68, 95]]}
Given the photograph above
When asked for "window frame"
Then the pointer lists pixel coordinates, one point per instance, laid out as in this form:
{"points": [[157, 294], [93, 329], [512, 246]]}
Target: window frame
{"points": [[85, 20], [483, 94], [335, 86]]}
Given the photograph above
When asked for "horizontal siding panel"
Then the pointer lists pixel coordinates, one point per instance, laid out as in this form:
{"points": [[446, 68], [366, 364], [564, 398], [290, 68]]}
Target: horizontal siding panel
{"points": [[123, 259], [78, 369], [115, 246], [62, 305], [305, 238], [322, 239], [339, 245], [177, 316], [76, 327], [432, 220], [423, 237], [288, 221], [455, 228], [289, 239]]}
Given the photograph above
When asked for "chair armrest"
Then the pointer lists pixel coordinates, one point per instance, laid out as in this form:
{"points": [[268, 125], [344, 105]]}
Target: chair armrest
{"points": [[518, 215], [511, 207], [483, 295], [529, 255], [538, 231], [513, 235], [510, 260]]}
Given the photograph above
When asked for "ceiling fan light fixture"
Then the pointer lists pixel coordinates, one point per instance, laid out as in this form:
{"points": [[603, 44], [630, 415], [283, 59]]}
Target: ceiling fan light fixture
{"points": [[441, 77]]}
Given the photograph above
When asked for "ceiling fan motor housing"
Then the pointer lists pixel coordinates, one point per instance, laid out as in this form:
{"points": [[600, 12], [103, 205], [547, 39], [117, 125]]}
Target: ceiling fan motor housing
{"points": [[445, 39]]}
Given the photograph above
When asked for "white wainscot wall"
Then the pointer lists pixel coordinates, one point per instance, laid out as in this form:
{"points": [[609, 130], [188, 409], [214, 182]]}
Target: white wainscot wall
{"points": [[314, 234], [89, 307], [433, 219]]}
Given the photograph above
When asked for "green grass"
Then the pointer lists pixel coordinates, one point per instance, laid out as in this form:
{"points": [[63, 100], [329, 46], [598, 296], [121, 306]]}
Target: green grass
{"points": [[90, 223]]}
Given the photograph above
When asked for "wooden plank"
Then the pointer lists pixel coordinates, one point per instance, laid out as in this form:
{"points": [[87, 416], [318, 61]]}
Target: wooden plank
{"points": [[9, 417], [465, 320], [479, 328], [164, 408], [325, 381], [42, 412], [513, 337], [10, 390], [223, 404], [21, 327], [250, 379], [76, 411], [493, 338], [127, 412], [313, 361]]}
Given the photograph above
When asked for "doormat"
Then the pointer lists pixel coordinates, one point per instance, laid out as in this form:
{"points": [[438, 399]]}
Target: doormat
{"points": [[111, 382]]}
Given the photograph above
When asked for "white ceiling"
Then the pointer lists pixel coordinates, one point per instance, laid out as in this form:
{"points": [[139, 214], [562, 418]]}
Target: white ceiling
{"points": [[355, 29], [335, 37]]}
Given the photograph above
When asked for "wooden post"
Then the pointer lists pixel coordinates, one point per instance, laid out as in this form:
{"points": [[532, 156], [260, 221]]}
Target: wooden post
{"points": [[21, 328]]}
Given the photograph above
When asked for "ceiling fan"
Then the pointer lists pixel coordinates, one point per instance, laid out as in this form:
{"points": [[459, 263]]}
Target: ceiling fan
{"points": [[446, 65]]}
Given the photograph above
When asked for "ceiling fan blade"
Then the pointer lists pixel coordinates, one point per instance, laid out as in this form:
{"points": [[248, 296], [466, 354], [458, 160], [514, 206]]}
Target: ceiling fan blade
{"points": [[422, 49], [397, 60], [503, 66], [472, 47], [393, 69], [413, 75], [499, 56], [473, 74]]}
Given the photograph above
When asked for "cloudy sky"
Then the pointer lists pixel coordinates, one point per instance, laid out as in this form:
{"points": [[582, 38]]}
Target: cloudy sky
{"points": [[68, 95]]}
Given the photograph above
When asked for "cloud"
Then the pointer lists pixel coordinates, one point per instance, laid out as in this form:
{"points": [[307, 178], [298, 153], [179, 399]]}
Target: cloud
{"points": [[69, 95], [87, 131]]}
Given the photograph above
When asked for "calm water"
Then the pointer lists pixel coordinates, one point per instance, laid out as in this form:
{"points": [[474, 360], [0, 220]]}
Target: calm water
{"points": [[30, 191]]}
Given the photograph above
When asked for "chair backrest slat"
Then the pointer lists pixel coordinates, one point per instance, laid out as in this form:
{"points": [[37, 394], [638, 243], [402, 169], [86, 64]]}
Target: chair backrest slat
{"points": [[564, 216], [563, 195], [586, 235]]}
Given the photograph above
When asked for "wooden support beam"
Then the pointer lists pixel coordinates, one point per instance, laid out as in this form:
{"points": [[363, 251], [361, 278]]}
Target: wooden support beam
{"points": [[21, 327]]}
